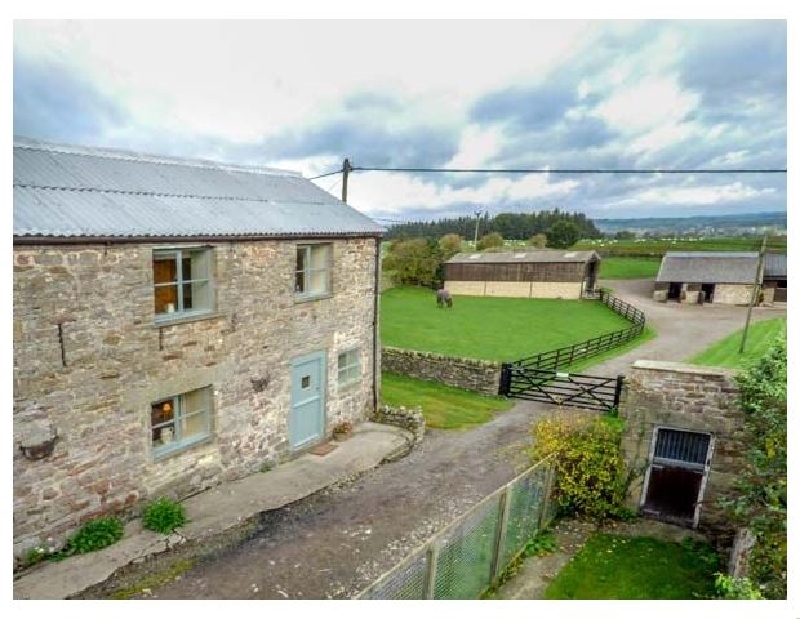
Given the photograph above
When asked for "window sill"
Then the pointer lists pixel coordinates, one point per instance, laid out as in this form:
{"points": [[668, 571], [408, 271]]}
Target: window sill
{"points": [[163, 453], [351, 386], [305, 298], [184, 318]]}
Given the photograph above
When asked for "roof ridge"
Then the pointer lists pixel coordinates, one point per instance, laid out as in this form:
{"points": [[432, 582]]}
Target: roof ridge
{"points": [[104, 152]]}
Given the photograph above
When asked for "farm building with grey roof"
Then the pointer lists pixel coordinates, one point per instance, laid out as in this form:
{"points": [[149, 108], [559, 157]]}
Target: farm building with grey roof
{"points": [[716, 276], [177, 323], [529, 273]]}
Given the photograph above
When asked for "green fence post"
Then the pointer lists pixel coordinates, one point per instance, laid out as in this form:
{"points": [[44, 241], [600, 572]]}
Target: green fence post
{"points": [[500, 538], [430, 576]]}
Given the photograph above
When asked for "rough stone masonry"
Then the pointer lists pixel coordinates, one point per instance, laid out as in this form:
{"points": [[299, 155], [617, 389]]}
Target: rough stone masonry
{"points": [[89, 361], [690, 398]]}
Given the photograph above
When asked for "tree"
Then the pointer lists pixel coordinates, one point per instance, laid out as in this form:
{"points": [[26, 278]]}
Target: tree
{"points": [[563, 234], [450, 245], [415, 262], [625, 235], [493, 239], [538, 240]]}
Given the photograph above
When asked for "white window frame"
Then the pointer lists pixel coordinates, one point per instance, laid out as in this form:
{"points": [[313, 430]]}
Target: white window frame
{"points": [[178, 443], [309, 248], [178, 254], [351, 366]]}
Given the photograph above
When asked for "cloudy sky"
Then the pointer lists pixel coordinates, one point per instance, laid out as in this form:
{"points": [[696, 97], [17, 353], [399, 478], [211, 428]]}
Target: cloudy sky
{"points": [[493, 94]]}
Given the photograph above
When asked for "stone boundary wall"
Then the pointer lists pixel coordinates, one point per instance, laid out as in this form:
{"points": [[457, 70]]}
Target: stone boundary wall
{"points": [[410, 419], [471, 374], [689, 398]]}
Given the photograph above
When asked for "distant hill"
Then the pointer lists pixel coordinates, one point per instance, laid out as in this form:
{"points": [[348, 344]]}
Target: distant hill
{"points": [[710, 224]]}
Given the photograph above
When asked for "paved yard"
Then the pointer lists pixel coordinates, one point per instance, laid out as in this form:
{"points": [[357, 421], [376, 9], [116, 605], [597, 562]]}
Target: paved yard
{"points": [[333, 544]]}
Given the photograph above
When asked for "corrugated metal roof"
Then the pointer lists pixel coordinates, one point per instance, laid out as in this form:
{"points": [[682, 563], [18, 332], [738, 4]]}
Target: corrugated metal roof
{"points": [[533, 255], [65, 191], [775, 266], [709, 267]]}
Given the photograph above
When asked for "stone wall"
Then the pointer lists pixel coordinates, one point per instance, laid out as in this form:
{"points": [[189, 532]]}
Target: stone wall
{"points": [[410, 419], [692, 398], [471, 374], [533, 290], [733, 294], [118, 362]]}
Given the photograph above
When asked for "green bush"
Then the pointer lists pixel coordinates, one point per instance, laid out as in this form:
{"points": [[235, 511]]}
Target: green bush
{"points": [[164, 515], [94, 535], [729, 588], [493, 239], [591, 475], [762, 487]]}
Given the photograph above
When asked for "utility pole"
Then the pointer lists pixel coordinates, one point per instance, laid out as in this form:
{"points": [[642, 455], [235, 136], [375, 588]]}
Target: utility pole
{"points": [[477, 221], [346, 167], [756, 288]]}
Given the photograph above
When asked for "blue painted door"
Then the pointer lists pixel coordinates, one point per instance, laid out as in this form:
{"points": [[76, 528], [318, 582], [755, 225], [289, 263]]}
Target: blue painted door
{"points": [[307, 415]]}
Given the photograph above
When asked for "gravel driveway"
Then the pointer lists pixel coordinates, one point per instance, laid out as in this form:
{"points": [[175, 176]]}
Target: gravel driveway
{"points": [[335, 543]]}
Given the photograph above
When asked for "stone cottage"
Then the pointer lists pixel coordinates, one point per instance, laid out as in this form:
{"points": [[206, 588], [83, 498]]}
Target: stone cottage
{"points": [[724, 277], [177, 323]]}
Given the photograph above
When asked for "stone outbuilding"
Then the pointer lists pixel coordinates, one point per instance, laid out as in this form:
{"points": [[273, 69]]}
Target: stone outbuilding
{"points": [[722, 276], [683, 437], [177, 323], [537, 273]]}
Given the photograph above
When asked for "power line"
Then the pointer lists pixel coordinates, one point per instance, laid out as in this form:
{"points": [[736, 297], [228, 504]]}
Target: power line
{"points": [[313, 178], [575, 170]]}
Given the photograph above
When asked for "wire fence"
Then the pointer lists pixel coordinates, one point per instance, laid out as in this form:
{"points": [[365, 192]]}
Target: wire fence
{"points": [[463, 560]]}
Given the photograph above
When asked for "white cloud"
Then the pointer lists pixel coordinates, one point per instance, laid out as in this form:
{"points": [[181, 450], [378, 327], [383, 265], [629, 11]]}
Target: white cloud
{"points": [[703, 195], [478, 145], [377, 191]]}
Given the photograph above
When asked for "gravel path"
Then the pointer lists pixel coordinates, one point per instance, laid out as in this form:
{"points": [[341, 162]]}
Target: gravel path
{"points": [[335, 543]]}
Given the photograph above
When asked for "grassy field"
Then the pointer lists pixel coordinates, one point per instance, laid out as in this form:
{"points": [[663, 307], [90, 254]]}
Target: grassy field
{"points": [[611, 567], [489, 328], [629, 268], [657, 247], [725, 353], [444, 407]]}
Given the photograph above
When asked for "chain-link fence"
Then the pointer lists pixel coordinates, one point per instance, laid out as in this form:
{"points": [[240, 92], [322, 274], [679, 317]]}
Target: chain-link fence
{"points": [[465, 558]]}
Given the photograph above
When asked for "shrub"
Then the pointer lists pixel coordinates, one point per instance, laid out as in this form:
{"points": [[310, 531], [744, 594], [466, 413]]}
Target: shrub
{"points": [[729, 588], [164, 515], [762, 486], [591, 476], [94, 535]]}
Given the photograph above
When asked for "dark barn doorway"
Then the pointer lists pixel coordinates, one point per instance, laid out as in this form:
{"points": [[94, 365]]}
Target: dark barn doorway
{"points": [[674, 482], [780, 291], [674, 291], [708, 292]]}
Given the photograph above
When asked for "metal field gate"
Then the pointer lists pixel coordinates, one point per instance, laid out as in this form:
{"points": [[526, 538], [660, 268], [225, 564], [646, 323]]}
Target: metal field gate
{"points": [[561, 388]]}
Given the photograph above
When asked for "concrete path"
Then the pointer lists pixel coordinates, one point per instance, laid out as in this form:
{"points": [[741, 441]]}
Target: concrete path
{"points": [[682, 330], [215, 511]]}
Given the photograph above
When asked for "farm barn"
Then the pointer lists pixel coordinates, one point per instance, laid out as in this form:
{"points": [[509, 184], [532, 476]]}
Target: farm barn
{"points": [[775, 278], [539, 274], [724, 276]]}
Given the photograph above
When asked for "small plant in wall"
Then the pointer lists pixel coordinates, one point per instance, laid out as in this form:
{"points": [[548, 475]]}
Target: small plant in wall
{"points": [[164, 515], [342, 429]]}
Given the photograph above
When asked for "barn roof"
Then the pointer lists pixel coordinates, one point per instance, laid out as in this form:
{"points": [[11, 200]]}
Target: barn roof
{"points": [[524, 255], [775, 266], [709, 267], [69, 191]]}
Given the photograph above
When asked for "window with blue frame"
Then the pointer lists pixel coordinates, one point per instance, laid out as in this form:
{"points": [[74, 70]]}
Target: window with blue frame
{"points": [[180, 421], [182, 280]]}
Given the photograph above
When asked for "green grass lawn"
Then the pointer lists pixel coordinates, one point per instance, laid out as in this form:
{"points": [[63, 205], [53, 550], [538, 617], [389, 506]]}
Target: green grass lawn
{"points": [[608, 247], [725, 353], [444, 407], [612, 567], [490, 328], [629, 268]]}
